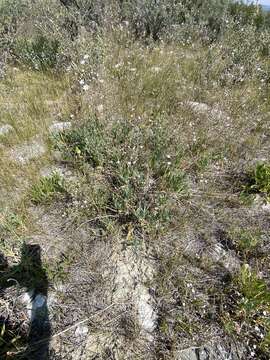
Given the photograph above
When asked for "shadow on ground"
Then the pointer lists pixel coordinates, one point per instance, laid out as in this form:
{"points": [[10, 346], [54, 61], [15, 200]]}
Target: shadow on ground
{"points": [[31, 276]]}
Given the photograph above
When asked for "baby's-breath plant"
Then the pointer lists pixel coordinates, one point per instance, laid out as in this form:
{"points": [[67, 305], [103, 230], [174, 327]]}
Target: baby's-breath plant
{"points": [[135, 161]]}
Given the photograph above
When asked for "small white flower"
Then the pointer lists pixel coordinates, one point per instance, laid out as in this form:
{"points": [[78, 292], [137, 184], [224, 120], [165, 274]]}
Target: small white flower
{"points": [[82, 62], [169, 163], [156, 69], [86, 56], [100, 108], [86, 87], [81, 82]]}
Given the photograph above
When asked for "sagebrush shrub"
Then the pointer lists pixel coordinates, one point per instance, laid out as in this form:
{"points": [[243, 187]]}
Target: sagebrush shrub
{"points": [[149, 18]]}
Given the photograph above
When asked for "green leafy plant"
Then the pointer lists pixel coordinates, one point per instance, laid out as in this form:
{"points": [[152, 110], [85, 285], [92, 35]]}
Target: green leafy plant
{"points": [[247, 242], [255, 291], [84, 144], [262, 178], [259, 181], [47, 189]]}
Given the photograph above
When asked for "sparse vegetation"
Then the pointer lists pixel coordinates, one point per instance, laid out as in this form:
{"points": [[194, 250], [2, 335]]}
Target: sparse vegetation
{"points": [[156, 115], [251, 310]]}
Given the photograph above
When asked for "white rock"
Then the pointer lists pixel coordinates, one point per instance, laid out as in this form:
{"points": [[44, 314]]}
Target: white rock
{"points": [[187, 354], [24, 153], [266, 207], [209, 352], [59, 127], [5, 129], [61, 171], [202, 108], [100, 109], [26, 299], [81, 330], [146, 314], [86, 87], [198, 107]]}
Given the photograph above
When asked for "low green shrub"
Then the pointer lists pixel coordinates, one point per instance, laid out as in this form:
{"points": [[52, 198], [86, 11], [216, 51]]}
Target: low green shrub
{"points": [[46, 189], [149, 18], [152, 18], [262, 179], [246, 14], [259, 181]]}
